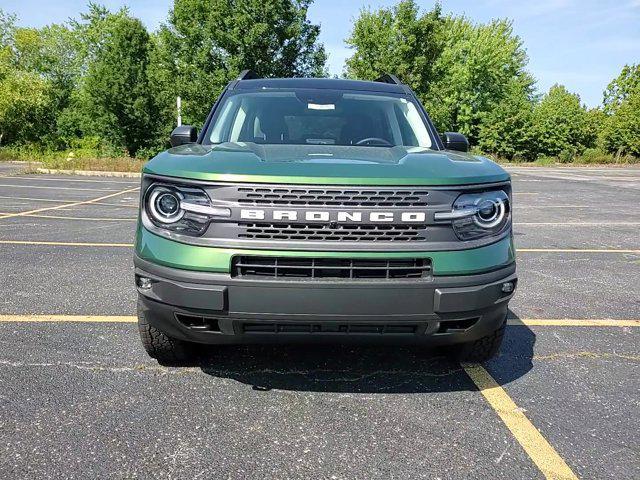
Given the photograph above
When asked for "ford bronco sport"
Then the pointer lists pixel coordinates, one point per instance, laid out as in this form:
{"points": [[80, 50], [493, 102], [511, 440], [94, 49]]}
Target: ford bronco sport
{"points": [[322, 210]]}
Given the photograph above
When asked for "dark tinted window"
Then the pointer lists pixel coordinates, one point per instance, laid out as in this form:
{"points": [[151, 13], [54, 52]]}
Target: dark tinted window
{"points": [[320, 117]]}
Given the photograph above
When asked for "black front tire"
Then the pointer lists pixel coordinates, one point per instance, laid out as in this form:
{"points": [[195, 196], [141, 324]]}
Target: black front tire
{"points": [[483, 349], [165, 349]]}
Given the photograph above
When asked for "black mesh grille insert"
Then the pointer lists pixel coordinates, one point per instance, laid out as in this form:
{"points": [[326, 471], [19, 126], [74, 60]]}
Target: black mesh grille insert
{"points": [[320, 232], [300, 196], [341, 328], [330, 268]]}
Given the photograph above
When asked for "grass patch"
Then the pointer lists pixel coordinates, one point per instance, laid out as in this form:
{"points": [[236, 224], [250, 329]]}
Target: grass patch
{"points": [[77, 159], [591, 157]]}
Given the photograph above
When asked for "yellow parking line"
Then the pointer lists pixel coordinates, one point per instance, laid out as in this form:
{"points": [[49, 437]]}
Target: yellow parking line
{"points": [[574, 250], [528, 436], [67, 205], [65, 244], [68, 318], [572, 322]]}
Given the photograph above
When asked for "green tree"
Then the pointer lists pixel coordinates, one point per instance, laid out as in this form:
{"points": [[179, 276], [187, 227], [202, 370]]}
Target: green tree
{"points": [[561, 124], [397, 40], [621, 131], [460, 70], [115, 102], [206, 43], [507, 129], [24, 95], [595, 121], [24, 98], [51, 53], [621, 126], [621, 87], [479, 66]]}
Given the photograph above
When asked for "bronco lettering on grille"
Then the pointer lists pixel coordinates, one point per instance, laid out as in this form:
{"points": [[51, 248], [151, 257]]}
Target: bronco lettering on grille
{"points": [[333, 216]]}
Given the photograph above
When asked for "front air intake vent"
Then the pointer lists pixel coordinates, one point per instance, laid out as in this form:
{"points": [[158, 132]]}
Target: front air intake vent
{"points": [[329, 328], [330, 268]]}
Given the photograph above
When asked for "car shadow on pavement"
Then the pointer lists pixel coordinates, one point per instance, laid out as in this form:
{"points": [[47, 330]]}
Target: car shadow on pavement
{"points": [[361, 369]]}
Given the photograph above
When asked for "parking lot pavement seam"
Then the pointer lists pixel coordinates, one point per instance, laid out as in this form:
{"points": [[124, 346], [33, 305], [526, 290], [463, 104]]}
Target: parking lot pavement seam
{"points": [[527, 206], [577, 224], [573, 322], [67, 205], [62, 217], [585, 354], [576, 250], [51, 200], [69, 318], [545, 457], [155, 369], [142, 368], [65, 244]]}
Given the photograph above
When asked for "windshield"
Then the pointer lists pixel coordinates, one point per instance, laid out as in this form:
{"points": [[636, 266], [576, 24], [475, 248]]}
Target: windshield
{"points": [[319, 117]]}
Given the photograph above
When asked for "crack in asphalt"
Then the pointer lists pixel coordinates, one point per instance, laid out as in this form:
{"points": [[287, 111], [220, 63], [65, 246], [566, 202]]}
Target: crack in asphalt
{"points": [[586, 354], [216, 371]]}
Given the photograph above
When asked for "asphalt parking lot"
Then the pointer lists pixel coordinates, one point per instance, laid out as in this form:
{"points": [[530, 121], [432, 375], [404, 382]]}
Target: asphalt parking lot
{"points": [[79, 398]]}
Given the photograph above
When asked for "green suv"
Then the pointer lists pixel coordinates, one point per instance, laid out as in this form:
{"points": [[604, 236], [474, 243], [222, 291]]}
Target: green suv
{"points": [[322, 210]]}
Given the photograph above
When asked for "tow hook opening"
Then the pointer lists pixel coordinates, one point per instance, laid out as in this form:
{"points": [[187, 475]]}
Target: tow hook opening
{"points": [[449, 326], [196, 322]]}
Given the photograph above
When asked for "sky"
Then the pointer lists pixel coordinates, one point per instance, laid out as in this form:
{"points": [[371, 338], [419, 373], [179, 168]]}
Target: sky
{"points": [[582, 44]]}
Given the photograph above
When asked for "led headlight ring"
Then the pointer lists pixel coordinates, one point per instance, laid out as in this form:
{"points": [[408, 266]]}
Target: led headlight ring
{"points": [[490, 212], [164, 205]]}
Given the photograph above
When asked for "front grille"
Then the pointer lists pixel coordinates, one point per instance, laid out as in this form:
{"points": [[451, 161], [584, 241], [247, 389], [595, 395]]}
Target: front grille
{"points": [[322, 232], [301, 197], [329, 268], [342, 328]]}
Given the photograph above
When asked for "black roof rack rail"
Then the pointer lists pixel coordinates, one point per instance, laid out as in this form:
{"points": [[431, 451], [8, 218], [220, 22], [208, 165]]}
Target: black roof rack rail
{"points": [[248, 75], [388, 78]]}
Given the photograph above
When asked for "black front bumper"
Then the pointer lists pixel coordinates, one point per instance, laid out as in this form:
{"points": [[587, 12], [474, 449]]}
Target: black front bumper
{"points": [[216, 308]]}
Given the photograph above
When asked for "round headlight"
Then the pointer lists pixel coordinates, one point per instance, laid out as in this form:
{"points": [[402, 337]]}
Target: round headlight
{"points": [[164, 205], [167, 204], [490, 212]]}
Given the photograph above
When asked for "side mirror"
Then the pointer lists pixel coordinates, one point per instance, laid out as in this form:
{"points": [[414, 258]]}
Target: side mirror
{"points": [[455, 141], [184, 134]]}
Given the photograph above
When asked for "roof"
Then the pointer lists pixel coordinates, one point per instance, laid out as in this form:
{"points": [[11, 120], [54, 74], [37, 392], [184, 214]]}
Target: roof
{"points": [[325, 83]]}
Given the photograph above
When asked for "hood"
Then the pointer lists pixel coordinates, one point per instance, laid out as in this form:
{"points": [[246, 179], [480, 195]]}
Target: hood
{"points": [[324, 165]]}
